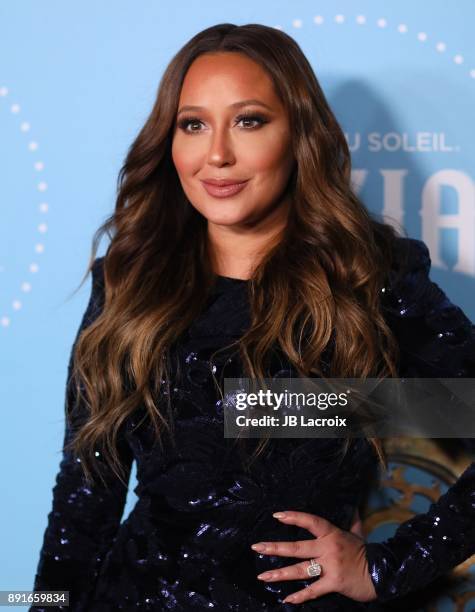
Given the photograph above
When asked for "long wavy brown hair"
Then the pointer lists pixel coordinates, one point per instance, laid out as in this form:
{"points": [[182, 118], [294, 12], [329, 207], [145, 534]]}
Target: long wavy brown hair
{"points": [[324, 275]]}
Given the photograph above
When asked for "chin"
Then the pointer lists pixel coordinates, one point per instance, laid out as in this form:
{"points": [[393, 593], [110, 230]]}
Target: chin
{"points": [[218, 215], [229, 220]]}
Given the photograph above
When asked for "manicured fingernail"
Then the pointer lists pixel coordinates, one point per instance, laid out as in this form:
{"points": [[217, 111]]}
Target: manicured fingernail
{"points": [[265, 576], [289, 599], [279, 515], [258, 547]]}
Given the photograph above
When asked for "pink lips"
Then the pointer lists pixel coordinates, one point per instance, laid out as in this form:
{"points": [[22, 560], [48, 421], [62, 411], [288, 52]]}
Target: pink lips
{"points": [[223, 189]]}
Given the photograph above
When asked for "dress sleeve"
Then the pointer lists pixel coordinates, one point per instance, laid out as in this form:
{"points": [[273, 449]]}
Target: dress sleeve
{"points": [[84, 519], [436, 340]]}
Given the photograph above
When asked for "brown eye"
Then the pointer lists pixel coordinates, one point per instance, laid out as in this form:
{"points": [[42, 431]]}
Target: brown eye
{"points": [[255, 118], [184, 123]]}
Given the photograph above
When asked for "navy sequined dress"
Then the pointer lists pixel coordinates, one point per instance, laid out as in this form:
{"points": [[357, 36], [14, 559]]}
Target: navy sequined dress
{"points": [[186, 543]]}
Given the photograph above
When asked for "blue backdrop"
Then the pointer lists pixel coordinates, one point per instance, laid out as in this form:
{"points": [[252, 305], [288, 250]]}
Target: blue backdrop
{"points": [[77, 81]]}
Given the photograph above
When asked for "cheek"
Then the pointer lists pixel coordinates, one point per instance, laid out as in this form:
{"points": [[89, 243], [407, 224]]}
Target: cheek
{"points": [[270, 155], [185, 156]]}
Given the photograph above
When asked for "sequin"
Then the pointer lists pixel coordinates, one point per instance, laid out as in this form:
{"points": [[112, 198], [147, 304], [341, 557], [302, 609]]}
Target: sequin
{"points": [[186, 543]]}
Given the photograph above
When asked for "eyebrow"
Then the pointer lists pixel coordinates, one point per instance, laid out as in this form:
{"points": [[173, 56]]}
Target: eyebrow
{"points": [[239, 104]]}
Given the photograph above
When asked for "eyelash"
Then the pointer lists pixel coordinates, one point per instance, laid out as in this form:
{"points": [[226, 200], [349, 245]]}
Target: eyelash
{"points": [[185, 122]]}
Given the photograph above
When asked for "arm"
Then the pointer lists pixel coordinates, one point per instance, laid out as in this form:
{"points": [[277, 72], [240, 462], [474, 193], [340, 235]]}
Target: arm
{"points": [[428, 545], [436, 340], [83, 520]]}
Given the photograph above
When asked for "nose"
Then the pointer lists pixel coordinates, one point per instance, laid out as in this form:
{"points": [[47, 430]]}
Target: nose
{"points": [[220, 150]]}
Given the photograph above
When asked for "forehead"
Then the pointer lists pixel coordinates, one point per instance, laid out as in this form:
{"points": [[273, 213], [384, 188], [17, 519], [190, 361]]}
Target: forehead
{"points": [[214, 77]]}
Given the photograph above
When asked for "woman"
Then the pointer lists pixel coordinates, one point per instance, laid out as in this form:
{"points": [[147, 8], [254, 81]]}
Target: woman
{"points": [[236, 236]]}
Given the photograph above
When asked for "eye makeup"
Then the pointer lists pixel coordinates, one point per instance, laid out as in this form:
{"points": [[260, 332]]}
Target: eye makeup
{"points": [[185, 122]]}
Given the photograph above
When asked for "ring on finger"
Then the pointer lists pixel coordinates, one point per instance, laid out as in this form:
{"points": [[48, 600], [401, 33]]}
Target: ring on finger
{"points": [[314, 568]]}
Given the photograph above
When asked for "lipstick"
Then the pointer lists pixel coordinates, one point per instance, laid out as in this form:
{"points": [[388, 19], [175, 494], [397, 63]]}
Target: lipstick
{"points": [[223, 189]]}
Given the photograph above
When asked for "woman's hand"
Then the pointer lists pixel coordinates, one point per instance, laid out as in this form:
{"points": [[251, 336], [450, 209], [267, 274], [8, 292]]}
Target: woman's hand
{"points": [[340, 553]]}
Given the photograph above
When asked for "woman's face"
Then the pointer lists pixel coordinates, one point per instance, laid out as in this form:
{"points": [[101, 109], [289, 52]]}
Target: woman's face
{"points": [[228, 138]]}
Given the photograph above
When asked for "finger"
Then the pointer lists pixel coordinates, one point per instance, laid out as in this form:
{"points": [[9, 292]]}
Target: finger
{"points": [[357, 525], [317, 525], [316, 589], [297, 571], [357, 529], [302, 549]]}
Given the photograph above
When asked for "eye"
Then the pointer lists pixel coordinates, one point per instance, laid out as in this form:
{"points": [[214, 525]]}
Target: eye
{"points": [[256, 118], [184, 123]]}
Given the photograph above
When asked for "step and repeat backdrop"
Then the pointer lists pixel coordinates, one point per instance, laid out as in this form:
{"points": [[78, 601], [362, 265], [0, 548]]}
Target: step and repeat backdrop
{"points": [[78, 79]]}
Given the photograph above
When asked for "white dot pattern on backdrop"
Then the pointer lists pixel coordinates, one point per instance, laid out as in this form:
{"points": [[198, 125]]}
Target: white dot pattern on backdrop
{"points": [[42, 227], [402, 28]]}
